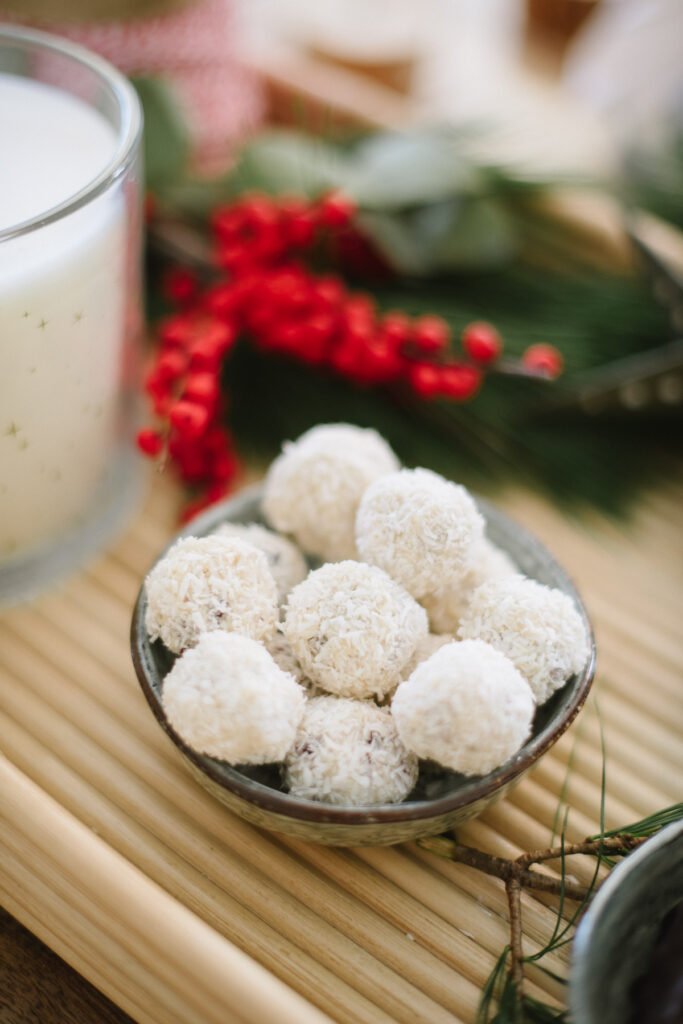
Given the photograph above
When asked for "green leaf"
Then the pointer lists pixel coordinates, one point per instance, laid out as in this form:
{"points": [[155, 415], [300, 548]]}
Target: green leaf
{"points": [[165, 140], [281, 162], [391, 171], [476, 233]]}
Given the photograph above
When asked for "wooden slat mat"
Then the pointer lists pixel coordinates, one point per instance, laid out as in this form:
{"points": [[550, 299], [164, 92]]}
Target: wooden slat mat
{"points": [[182, 913]]}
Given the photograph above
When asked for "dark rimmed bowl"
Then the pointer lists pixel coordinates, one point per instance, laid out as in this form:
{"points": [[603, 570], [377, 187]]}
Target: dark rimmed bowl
{"points": [[441, 799], [614, 944]]}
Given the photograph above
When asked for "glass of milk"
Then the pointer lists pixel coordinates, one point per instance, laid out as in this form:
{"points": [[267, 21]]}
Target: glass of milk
{"points": [[70, 305]]}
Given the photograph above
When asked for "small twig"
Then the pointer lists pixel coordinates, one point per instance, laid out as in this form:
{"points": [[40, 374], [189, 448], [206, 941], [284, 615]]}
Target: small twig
{"points": [[500, 867], [613, 844], [514, 890]]}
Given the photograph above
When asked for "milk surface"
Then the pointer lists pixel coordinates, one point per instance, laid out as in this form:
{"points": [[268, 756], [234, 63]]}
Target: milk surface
{"points": [[62, 306]]}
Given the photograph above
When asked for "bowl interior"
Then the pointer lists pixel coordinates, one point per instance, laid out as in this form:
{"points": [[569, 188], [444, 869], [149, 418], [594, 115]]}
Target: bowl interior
{"points": [[438, 790]]}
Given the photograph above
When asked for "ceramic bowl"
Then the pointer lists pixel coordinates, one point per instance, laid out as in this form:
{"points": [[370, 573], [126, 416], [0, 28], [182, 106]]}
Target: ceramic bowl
{"points": [[614, 942], [441, 798]]}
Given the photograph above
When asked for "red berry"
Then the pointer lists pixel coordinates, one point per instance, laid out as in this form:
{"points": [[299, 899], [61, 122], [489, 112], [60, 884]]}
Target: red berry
{"points": [[298, 223], [397, 328], [188, 418], [170, 365], [150, 442], [431, 334], [223, 467], [316, 334], [482, 342], [227, 222], [180, 285], [361, 306], [215, 492], [336, 210], [328, 291], [202, 388], [175, 331], [259, 211], [237, 258], [544, 359], [381, 361], [459, 381], [214, 339], [220, 301], [425, 379]]}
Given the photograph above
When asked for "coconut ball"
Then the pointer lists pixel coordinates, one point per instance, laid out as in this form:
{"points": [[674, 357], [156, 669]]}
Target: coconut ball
{"points": [[227, 698], [313, 488], [421, 529], [425, 648], [282, 654], [537, 627], [466, 707], [285, 561], [353, 629], [348, 752], [208, 583], [446, 606]]}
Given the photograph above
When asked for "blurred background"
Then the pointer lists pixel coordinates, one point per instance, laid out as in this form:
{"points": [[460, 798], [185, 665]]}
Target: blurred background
{"points": [[514, 161]]}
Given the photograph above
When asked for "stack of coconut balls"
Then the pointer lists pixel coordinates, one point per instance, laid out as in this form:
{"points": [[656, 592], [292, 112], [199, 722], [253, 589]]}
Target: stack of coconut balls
{"points": [[334, 672]]}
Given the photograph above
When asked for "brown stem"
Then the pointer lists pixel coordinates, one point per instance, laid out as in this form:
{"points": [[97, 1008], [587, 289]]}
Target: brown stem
{"points": [[612, 844], [501, 868], [513, 890]]}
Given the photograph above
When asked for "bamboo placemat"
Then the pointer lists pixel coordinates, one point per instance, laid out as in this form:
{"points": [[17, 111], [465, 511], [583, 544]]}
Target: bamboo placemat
{"points": [[182, 913]]}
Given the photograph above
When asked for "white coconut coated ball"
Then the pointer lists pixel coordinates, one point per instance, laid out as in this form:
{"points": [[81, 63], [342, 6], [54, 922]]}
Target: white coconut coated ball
{"points": [[353, 629], [467, 707], [446, 606], [348, 752], [282, 654], [227, 698], [313, 488], [425, 648], [420, 528], [208, 583], [285, 561], [537, 627]]}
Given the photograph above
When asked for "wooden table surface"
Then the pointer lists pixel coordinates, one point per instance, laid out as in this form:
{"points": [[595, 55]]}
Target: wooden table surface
{"points": [[180, 912]]}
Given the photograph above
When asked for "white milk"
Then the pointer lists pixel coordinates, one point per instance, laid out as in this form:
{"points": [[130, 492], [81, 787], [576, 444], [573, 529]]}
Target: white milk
{"points": [[62, 307]]}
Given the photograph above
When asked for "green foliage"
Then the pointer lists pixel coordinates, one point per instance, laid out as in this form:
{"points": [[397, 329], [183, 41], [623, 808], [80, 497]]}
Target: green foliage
{"points": [[166, 145], [428, 205], [509, 430]]}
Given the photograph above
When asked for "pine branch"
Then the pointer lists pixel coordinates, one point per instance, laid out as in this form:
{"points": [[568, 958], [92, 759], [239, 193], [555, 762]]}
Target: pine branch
{"points": [[505, 986]]}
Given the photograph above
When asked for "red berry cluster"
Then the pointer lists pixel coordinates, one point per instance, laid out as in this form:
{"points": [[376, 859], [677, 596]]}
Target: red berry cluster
{"points": [[270, 295]]}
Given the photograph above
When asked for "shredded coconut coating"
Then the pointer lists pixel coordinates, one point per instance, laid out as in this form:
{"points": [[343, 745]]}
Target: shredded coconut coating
{"points": [[227, 698], [313, 488], [347, 752], [425, 648], [209, 583], [285, 561], [353, 629], [420, 528], [279, 648], [537, 627], [467, 707], [446, 606]]}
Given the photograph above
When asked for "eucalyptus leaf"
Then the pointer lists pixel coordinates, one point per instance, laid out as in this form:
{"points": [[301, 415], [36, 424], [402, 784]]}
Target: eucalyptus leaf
{"points": [[391, 170], [166, 141], [281, 162]]}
